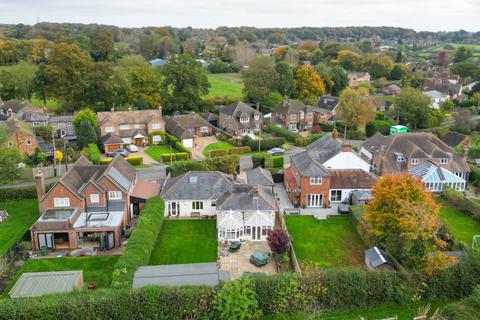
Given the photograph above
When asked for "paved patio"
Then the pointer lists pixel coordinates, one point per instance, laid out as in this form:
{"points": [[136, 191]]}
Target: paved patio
{"points": [[239, 262]]}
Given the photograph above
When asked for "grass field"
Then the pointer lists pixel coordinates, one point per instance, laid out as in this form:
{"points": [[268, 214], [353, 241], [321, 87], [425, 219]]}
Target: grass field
{"points": [[21, 215], [185, 241], [95, 269], [225, 84], [217, 146], [329, 243], [155, 152], [462, 226], [429, 51]]}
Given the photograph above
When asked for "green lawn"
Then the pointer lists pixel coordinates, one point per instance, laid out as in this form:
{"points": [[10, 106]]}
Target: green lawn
{"points": [[155, 152], [95, 269], [329, 243], [225, 84], [186, 241], [462, 226], [217, 146], [21, 215]]}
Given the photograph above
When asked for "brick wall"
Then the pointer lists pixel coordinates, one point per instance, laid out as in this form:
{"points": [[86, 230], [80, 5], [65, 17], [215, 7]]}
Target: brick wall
{"points": [[60, 191]]}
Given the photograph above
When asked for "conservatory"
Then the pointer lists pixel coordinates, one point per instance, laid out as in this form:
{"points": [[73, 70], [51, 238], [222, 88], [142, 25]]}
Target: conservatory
{"points": [[435, 178], [230, 226], [258, 223]]}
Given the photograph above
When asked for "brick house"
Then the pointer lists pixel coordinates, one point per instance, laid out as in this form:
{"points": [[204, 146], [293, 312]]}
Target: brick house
{"points": [[295, 115], [187, 127], [89, 207], [20, 135], [132, 126], [326, 108], [240, 119], [327, 172], [356, 78]]}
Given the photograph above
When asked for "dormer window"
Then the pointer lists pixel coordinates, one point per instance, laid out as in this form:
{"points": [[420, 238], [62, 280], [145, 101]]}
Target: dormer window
{"points": [[257, 117], [443, 160], [29, 141], [414, 161], [399, 157], [244, 119], [156, 126], [124, 126], [316, 180]]}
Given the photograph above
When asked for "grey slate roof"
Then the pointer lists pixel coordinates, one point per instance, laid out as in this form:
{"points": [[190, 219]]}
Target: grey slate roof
{"points": [[29, 116], [34, 284], [377, 257], [328, 103], [453, 139], [257, 198], [111, 138], [324, 148], [308, 166], [259, 176], [60, 119], [195, 274]]}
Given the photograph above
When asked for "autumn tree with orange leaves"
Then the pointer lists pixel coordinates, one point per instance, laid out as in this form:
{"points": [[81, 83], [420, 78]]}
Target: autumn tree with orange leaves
{"points": [[403, 219], [309, 84]]}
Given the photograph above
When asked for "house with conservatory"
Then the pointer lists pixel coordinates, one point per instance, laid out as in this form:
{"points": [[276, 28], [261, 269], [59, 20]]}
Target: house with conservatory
{"points": [[243, 212], [422, 155]]}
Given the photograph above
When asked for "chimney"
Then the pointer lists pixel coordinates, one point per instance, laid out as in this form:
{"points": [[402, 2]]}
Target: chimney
{"points": [[160, 109], [258, 106], [381, 156], [40, 185], [346, 147], [113, 109], [465, 151], [335, 134]]}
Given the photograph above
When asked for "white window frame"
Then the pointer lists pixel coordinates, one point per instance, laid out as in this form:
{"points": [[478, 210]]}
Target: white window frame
{"points": [[61, 202], [244, 119], [443, 160], [156, 126], [109, 129], [136, 126], [69, 124], [127, 140], [29, 141], [197, 205], [400, 159], [204, 129], [94, 198], [414, 161], [10, 144], [156, 138], [336, 195], [316, 180], [124, 127], [114, 195], [173, 208], [257, 117], [36, 124], [292, 126]]}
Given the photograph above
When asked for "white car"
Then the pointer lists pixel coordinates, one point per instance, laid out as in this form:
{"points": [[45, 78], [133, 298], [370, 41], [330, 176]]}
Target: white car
{"points": [[276, 152], [132, 148]]}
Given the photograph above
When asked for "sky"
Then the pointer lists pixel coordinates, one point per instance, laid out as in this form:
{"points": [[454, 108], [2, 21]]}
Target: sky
{"points": [[421, 15]]}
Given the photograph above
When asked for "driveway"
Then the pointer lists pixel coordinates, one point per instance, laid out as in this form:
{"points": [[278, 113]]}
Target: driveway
{"points": [[200, 144], [146, 158], [155, 172]]}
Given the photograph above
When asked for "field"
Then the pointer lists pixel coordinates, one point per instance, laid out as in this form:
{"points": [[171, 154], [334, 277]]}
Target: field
{"points": [[460, 225], [185, 241], [429, 51], [225, 84], [155, 152], [329, 243], [21, 215], [95, 269]]}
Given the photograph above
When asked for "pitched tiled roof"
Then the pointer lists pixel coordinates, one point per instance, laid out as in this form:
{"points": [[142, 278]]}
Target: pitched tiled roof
{"points": [[257, 198], [351, 179], [173, 127], [110, 138], [453, 139], [259, 176], [328, 103], [191, 120], [308, 166], [129, 116]]}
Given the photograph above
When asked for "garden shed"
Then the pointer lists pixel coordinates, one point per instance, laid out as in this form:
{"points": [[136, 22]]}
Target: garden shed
{"points": [[35, 284], [376, 258], [194, 274]]}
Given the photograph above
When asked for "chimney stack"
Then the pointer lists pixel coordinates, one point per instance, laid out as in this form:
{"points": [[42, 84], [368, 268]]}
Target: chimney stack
{"points": [[9, 113], [346, 147], [258, 106], [40, 185], [465, 151], [160, 109], [335, 134]]}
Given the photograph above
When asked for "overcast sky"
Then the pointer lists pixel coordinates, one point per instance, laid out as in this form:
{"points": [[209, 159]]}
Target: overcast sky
{"points": [[430, 15]]}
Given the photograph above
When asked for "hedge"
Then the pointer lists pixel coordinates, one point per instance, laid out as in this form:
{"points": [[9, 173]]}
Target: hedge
{"points": [[266, 144], [94, 153], [181, 147], [156, 133], [106, 160], [240, 150], [217, 152], [326, 127], [141, 243], [181, 167], [277, 161], [258, 160], [282, 132], [382, 126], [180, 156], [465, 309], [474, 176], [133, 160], [458, 200], [20, 193]]}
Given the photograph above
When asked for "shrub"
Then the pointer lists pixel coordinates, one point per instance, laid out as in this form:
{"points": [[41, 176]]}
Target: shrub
{"points": [[106, 160], [282, 132], [382, 126], [218, 152], [301, 141], [474, 176], [156, 133], [226, 164], [458, 200], [465, 309], [94, 153], [240, 150], [180, 156], [277, 161], [19, 193], [181, 147], [313, 137], [326, 127], [355, 134], [135, 160], [141, 243], [278, 240], [266, 144], [182, 167], [219, 66], [258, 160]]}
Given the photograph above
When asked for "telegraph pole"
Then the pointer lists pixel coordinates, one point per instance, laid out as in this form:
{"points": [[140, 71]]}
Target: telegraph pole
{"points": [[54, 156]]}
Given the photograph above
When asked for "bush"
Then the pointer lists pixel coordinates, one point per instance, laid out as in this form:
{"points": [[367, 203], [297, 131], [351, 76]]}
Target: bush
{"points": [[282, 132], [266, 144], [355, 134], [277, 161], [181, 156], [182, 167], [458, 200], [326, 127], [474, 153], [313, 137], [258, 160], [218, 152], [135, 160], [106, 160], [19, 193], [466, 309], [94, 153], [474, 176], [181, 147], [219, 66], [156, 133], [141, 243], [226, 164], [382, 126], [240, 150]]}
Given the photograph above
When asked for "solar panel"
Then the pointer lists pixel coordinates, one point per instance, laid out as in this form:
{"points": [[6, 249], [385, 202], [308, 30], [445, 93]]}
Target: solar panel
{"points": [[119, 178]]}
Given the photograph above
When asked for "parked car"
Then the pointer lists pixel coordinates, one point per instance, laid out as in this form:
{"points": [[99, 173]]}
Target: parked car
{"points": [[276, 152], [122, 152], [132, 148], [294, 130]]}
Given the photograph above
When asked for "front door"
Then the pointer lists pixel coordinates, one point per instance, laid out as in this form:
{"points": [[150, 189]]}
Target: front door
{"points": [[314, 200], [139, 142]]}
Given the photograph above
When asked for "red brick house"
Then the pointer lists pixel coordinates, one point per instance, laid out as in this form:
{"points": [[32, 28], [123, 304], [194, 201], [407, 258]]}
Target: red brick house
{"points": [[20, 135], [295, 115], [187, 127], [89, 207]]}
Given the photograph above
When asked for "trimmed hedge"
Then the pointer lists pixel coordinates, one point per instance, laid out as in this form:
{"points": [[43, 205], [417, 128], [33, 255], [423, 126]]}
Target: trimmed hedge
{"points": [[326, 127], [106, 160], [20, 193], [94, 153], [180, 156], [141, 243], [135, 160], [282, 132], [458, 200], [156, 133], [217, 152], [182, 167], [240, 150], [277, 161], [265, 144], [181, 147]]}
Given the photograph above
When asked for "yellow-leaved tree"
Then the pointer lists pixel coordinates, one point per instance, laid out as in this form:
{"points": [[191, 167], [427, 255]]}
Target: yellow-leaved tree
{"points": [[309, 84], [356, 108]]}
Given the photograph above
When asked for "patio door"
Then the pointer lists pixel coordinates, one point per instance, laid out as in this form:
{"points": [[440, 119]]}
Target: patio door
{"points": [[256, 233], [46, 240], [314, 200], [174, 208]]}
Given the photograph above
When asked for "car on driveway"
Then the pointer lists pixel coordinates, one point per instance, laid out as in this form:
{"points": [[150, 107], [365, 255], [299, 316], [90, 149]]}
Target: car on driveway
{"points": [[132, 148], [276, 152], [122, 152]]}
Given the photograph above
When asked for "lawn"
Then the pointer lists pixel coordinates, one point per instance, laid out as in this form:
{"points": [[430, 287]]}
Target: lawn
{"points": [[460, 225], [329, 243], [155, 152], [225, 84], [21, 215], [185, 241], [95, 269], [217, 146]]}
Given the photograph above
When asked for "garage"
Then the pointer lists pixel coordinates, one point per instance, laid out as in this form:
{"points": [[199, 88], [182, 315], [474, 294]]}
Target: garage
{"points": [[188, 143]]}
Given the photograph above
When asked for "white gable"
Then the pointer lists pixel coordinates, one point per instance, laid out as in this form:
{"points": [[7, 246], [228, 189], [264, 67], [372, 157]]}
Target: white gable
{"points": [[347, 160]]}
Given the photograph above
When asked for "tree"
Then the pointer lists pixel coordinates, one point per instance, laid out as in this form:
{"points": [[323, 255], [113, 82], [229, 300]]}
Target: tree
{"points": [[9, 164], [86, 134], [17, 81], [340, 79], [278, 241], [462, 54], [100, 86], [463, 121], [349, 60], [40, 84], [143, 88], [285, 83], [184, 84], [466, 69], [259, 79], [355, 108], [378, 65], [403, 218], [447, 106], [85, 115], [101, 44], [399, 72], [309, 45], [308, 84], [412, 107]]}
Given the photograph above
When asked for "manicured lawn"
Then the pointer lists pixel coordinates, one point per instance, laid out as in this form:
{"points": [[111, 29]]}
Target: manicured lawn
{"points": [[225, 84], [95, 269], [217, 146], [329, 243], [155, 152], [185, 241], [460, 225], [21, 215]]}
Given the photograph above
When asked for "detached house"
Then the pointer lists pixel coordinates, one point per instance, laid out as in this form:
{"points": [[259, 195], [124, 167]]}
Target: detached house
{"points": [[187, 127], [326, 108], [422, 155], [327, 172], [20, 135], [131, 127], [89, 207], [240, 119], [295, 115]]}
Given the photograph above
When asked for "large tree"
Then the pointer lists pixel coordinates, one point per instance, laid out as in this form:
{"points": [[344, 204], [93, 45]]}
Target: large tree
{"points": [[462, 54], [85, 115], [412, 107], [403, 218], [379, 65], [86, 134], [259, 79], [466, 69], [143, 89], [101, 84], [101, 44], [339, 77], [285, 83], [184, 84], [17, 81], [308, 84], [356, 108]]}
